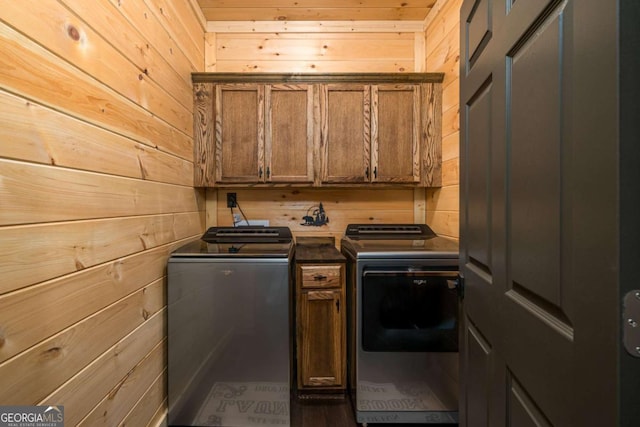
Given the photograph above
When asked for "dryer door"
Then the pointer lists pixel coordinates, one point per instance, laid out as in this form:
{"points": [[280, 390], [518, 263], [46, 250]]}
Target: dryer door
{"points": [[408, 310]]}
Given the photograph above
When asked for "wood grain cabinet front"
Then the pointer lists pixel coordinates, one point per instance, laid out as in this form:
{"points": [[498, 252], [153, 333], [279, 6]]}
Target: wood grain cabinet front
{"points": [[322, 130], [321, 327], [264, 133], [370, 133]]}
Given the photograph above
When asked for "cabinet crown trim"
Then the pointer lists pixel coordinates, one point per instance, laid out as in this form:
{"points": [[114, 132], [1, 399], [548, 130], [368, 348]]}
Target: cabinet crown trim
{"points": [[375, 78]]}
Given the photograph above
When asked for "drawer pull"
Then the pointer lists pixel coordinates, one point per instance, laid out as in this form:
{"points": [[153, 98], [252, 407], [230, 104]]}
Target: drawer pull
{"points": [[319, 277]]}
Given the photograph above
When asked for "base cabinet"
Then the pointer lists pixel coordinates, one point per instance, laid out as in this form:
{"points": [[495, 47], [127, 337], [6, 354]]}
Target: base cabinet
{"points": [[320, 326]]}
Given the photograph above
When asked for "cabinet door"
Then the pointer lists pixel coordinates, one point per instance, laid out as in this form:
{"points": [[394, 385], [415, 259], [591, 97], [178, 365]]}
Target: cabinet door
{"points": [[321, 340], [239, 133], [345, 114], [395, 130], [289, 133]]}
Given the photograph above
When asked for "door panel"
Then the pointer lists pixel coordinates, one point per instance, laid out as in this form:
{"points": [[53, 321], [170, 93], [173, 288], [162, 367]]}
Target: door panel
{"points": [[478, 28], [239, 132], [562, 208], [478, 113], [534, 92], [478, 360], [321, 345], [289, 133], [523, 412], [345, 132], [538, 350], [395, 126], [519, 224]]}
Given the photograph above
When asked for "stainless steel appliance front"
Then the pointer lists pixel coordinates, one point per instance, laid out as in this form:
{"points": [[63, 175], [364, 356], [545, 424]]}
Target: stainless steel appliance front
{"points": [[403, 329], [228, 334]]}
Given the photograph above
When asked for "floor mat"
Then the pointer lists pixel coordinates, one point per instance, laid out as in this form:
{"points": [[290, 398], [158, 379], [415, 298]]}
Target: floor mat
{"points": [[392, 397], [246, 404]]}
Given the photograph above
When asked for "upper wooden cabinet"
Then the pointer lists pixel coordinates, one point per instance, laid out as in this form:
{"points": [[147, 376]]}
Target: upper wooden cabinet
{"points": [[317, 129], [289, 132], [239, 133], [395, 133], [345, 116], [370, 133], [263, 133]]}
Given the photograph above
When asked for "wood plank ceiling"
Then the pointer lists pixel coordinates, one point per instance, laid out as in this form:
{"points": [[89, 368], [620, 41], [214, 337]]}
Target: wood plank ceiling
{"points": [[316, 10]]}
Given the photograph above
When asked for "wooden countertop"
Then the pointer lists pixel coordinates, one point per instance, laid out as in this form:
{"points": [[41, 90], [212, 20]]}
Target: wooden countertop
{"points": [[317, 250]]}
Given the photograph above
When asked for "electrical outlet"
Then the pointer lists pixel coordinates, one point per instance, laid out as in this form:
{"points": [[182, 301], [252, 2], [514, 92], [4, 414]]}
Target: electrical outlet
{"points": [[232, 200]]}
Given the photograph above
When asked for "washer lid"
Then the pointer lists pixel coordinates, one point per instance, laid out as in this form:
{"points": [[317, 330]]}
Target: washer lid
{"points": [[388, 231], [432, 247], [240, 242], [397, 240], [247, 234], [200, 248]]}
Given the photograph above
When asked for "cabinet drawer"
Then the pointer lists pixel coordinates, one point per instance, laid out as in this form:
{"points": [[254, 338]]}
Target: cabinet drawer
{"points": [[321, 276]]}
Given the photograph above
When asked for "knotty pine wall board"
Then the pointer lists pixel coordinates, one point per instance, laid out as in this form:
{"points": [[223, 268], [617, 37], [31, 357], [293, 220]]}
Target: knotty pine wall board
{"points": [[174, 17], [450, 121], [93, 383], [36, 253], [276, 66], [60, 85], [49, 364], [445, 223], [450, 96], [76, 296], [443, 55], [444, 199], [112, 69], [451, 172], [320, 13], [321, 52], [27, 189], [315, 47], [96, 180], [343, 206], [134, 30], [151, 405], [43, 135], [120, 400], [446, 17], [314, 27]]}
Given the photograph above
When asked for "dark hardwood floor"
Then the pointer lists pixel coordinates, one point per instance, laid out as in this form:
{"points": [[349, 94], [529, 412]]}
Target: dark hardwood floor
{"points": [[322, 412], [333, 412]]}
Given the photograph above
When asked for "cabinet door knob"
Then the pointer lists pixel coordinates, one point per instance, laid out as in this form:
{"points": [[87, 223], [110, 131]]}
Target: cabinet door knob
{"points": [[268, 172], [366, 172], [375, 172], [260, 172]]}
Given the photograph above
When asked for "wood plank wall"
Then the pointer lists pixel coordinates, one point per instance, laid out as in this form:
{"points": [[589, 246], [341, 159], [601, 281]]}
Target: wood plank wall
{"points": [[443, 55], [317, 47], [286, 207], [96, 189]]}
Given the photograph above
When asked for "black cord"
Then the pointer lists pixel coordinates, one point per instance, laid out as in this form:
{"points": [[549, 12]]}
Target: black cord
{"points": [[233, 220], [241, 213]]}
